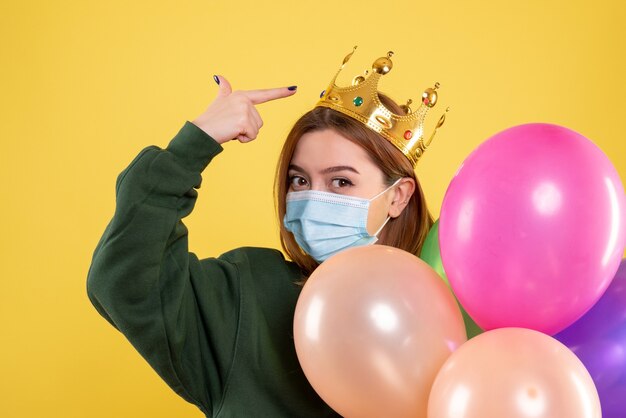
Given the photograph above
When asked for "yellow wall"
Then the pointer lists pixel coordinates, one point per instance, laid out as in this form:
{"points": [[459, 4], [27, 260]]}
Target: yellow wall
{"points": [[86, 85]]}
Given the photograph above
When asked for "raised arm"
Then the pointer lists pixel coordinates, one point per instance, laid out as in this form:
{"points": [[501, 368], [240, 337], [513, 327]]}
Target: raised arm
{"points": [[180, 313]]}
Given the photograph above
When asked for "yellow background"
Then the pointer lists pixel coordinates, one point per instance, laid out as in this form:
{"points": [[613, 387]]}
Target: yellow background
{"points": [[85, 85]]}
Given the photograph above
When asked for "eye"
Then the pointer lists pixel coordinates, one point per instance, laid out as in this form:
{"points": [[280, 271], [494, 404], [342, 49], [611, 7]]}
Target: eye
{"points": [[341, 182], [298, 182]]}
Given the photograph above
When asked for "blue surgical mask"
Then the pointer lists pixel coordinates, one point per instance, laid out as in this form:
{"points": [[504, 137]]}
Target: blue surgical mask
{"points": [[325, 223]]}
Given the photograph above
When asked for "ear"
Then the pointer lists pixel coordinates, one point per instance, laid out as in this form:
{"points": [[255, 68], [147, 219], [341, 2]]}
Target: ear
{"points": [[403, 192]]}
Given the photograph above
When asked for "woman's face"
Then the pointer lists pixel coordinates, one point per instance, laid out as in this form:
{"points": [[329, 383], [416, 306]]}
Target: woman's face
{"points": [[327, 161]]}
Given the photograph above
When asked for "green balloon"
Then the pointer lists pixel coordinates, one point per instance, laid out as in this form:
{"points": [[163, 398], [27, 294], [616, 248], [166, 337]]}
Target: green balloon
{"points": [[431, 254]]}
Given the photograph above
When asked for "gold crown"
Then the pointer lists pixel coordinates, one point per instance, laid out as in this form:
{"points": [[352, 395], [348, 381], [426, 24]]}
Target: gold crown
{"points": [[361, 102]]}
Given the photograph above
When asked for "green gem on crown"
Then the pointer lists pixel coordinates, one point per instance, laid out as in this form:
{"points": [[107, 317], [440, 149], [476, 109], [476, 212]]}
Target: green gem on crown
{"points": [[358, 101]]}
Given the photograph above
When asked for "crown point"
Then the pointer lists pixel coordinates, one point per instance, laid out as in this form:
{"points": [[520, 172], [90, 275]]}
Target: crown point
{"points": [[347, 57], [382, 65], [442, 119], [358, 80], [406, 107], [429, 97]]}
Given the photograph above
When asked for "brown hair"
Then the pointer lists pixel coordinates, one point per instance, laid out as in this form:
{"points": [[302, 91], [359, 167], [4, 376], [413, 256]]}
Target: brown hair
{"points": [[407, 232]]}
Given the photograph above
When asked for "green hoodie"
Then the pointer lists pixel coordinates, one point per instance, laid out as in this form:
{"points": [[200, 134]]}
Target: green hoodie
{"points": [[217, 330]]}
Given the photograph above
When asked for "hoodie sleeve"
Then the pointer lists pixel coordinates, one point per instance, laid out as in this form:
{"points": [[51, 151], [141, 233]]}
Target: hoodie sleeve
{"points": [[180, 313]]}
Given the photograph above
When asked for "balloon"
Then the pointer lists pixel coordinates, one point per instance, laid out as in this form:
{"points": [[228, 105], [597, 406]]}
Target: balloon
{"points": [[372, 327], [513, 373], [431, 255], [599, 341], [532, 228]]}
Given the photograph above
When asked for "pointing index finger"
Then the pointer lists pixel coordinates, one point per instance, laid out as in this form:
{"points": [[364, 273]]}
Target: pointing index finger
{"points": [[265, 95]]}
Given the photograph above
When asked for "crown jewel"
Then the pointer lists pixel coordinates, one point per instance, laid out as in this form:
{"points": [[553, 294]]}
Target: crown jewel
{"points": [[361, 102]]}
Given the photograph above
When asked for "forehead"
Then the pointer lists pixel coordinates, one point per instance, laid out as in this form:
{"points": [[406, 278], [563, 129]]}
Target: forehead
{"points": [[328, 148]]}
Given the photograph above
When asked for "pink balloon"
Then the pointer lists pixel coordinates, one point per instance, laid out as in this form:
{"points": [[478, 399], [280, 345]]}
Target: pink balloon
{"points": [[532, 228], [372, 327], [513, 373]]}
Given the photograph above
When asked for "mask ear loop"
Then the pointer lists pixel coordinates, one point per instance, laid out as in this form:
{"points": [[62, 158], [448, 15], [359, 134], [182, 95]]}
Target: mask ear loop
{"points": [[382, 226], [388, 217], [384, 191]]}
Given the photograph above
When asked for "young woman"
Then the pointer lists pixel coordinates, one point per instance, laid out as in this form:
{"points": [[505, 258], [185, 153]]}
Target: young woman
{"points": [[219, 330]]}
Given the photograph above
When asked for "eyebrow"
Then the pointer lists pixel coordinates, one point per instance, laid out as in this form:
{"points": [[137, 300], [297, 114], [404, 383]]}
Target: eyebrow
{"points": [[333, 169]]}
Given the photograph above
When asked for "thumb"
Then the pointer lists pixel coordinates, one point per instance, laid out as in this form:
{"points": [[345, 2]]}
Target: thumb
{"points": [[224, 86]]}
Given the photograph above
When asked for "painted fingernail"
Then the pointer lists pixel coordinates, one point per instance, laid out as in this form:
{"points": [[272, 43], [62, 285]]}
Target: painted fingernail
{"points": [[217, 80], [292, 88]]}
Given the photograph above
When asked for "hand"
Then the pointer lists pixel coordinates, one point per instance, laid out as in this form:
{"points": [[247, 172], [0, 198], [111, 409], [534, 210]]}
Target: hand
{"points": [[232, 114]]}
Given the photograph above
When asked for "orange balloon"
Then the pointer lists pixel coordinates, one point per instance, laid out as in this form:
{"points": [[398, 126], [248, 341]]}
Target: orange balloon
{"points": [[513, 373], [372, 327]]}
